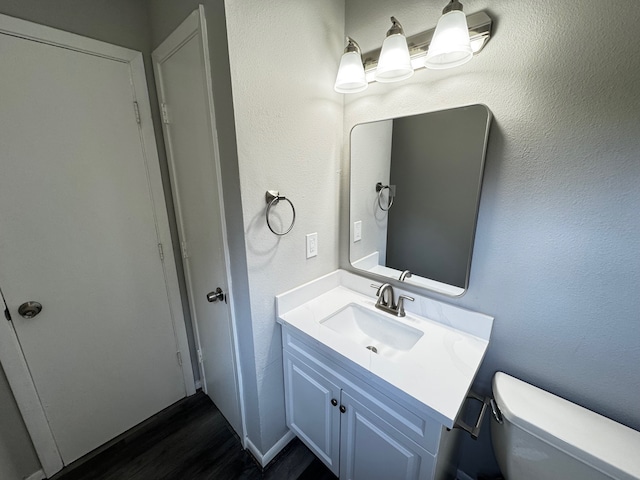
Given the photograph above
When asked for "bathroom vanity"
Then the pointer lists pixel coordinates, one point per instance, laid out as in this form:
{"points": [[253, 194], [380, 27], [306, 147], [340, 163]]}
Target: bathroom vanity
{"points": [[375, 395]]}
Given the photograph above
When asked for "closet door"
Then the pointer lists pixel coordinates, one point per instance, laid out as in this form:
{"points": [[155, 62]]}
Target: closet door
{"points": [[79, 235], [184, 90]]}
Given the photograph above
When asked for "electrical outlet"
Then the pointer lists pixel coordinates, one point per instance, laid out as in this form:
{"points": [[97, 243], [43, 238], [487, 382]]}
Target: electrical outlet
{"points": [[312, 245], [357, 231]]}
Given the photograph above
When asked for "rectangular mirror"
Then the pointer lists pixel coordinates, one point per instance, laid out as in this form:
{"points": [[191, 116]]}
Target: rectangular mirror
{"points": [[415, 190]]}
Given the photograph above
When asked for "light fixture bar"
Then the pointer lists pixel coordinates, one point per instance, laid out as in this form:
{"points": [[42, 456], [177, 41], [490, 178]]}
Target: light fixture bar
{"points": [[479, 32]]}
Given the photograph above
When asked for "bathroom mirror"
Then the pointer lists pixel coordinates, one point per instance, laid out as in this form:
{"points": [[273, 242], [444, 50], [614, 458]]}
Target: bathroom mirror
{"points": [[415, 190]]}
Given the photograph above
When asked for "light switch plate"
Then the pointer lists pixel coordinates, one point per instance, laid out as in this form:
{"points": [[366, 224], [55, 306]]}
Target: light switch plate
{"points": [[312, 244], [357, 231]]}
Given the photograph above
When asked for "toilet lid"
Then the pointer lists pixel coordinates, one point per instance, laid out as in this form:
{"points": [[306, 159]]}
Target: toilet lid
{"points": [[610, 447]]}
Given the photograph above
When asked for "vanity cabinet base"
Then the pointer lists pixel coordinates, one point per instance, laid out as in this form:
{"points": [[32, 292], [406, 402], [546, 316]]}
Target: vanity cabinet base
{"points": [[354, 428]]}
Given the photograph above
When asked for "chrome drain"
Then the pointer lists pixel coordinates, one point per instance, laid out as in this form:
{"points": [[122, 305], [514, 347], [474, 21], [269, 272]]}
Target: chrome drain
{"points": [[372, 348]]}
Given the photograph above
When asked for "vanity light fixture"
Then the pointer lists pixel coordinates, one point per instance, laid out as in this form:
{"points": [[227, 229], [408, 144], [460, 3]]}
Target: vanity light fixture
{"points": [[351, 77], [394, 64], [450, 46], [419, 45]]}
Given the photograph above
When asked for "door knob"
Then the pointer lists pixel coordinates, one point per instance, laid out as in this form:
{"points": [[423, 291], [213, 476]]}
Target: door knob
{"points": [[29, 309], [217, 295]]}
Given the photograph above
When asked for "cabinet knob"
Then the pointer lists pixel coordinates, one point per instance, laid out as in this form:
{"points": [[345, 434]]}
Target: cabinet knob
{"points": [[343, 409], [334, 402]]}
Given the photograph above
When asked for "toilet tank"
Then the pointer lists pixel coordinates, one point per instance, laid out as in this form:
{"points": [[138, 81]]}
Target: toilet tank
{"points": [[545, 437]]}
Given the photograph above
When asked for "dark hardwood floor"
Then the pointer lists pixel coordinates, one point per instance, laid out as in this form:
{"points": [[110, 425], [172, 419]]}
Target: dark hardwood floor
{"points": [[191, 441]]}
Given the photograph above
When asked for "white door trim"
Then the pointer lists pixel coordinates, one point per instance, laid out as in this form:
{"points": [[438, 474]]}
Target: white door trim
{"points": [[193, 24], [11, 355]]}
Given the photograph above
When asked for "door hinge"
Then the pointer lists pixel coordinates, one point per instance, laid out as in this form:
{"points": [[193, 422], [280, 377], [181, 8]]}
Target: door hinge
{"points": [[165, 113], [199, 356], [136, 109], [185, 253], [179, 355], [7, 313], [161, 251]]}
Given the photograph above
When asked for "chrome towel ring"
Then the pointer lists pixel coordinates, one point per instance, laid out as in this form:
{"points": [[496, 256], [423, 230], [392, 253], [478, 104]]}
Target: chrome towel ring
{"points": [[392, 193], [272, 198]]}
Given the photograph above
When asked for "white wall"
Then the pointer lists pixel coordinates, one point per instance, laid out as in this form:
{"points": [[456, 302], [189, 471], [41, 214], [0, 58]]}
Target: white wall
{"points": [[556, 253], [371, 148], [283, 58]]}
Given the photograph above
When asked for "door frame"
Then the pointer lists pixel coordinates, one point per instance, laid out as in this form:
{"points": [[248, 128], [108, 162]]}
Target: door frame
{"points": [[196, 23], [11, 355]]}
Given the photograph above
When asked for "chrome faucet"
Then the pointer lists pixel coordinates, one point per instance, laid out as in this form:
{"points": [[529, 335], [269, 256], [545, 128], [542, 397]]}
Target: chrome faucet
{"points": [[386, 301], [405, 274], [385, 296]]}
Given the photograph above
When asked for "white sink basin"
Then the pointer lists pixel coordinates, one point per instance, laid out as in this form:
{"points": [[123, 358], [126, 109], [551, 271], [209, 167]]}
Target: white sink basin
{"points": [[431, 356], [379, 332]]}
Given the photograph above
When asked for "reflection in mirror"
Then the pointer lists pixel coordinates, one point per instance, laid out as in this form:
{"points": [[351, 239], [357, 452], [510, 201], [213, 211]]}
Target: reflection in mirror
{"points": [[415, 190]]}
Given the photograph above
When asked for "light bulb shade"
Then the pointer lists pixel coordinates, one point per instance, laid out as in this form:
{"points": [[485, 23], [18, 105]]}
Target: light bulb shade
{"points": [[450, 46], [394, 63], [350, 78]]}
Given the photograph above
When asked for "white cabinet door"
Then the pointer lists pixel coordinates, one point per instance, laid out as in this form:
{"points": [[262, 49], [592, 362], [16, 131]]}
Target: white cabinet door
{"points": [[312, 406], [372, 449]]}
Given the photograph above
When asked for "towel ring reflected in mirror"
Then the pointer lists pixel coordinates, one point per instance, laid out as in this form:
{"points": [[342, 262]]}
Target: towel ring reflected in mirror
{"points": [[391, 194]]}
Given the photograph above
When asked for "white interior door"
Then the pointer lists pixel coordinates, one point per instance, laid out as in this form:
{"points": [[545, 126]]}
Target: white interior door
{"points": [[184, 91], [79, 235]]}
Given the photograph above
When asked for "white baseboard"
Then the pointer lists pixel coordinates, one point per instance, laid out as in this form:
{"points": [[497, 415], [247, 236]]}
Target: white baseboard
{"points": [[39, 475], [264, 459], [463, 476]]}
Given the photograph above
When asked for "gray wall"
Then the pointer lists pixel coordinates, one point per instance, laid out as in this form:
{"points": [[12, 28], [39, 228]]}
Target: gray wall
{"points": [[556, 253]]}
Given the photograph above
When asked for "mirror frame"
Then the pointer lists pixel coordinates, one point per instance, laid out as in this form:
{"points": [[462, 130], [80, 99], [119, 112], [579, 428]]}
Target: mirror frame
{"points": [[417, 283]]}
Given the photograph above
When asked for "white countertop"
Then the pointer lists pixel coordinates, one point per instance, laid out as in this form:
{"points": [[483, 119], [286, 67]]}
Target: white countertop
{"points": [[437, 372]]}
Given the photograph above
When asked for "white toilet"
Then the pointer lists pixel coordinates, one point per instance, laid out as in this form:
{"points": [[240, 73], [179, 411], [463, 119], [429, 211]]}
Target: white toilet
{"points": [[545, 437]]}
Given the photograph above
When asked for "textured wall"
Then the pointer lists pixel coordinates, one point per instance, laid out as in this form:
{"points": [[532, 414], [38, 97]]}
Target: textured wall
{"points": [[556, 253], [289, 133]]}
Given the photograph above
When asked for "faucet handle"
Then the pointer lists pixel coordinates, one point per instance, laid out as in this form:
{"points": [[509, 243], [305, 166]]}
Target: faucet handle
{"points": [[401, 299]]}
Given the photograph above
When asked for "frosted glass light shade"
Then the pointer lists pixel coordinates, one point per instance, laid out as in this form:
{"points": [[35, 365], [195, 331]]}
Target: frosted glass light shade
{"points": [[350, 78], [394, 63], [450, 46]]}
